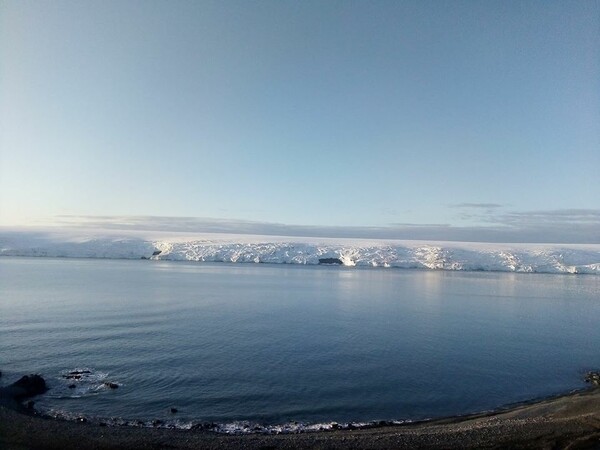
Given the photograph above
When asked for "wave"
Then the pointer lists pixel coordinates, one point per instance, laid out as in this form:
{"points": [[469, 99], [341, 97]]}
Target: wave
{"points": [[455, 256], [233, 428]]}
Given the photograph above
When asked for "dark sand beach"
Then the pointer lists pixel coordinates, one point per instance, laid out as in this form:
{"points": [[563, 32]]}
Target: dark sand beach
{"points": [[570, 421]]}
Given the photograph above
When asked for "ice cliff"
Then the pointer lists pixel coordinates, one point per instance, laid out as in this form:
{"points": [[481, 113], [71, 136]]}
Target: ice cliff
{"points": [[538, 258]]}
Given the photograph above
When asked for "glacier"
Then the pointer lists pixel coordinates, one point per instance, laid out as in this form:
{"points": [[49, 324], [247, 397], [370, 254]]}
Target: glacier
{"points": [[405, 254]]}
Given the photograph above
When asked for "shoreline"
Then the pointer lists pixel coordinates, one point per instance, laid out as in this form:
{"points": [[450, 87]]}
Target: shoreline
{"points": [[567, 421]]}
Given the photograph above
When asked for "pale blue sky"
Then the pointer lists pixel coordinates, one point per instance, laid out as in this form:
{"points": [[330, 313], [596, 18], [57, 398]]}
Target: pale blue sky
{"points": [[321, 113]]}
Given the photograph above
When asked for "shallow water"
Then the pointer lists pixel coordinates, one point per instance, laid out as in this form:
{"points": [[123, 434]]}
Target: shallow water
{"points": [[274, 344]]}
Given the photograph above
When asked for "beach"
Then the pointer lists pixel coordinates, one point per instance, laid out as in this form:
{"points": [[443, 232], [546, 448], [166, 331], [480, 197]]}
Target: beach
{"points": [[570, 421]]}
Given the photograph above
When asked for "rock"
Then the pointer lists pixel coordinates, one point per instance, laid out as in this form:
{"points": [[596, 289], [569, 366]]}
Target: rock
{"points": [[72, 377], [25, 387], [72, 386], [203, 426], [108, 384], [174, 410], [76, 374], [143, 257], [28, 386], [593, 377], [330, 261], [157, 252]]}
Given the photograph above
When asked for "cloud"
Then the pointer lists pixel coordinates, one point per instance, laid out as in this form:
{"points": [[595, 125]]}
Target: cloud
{"points": [[558, 225], [557, 217], [552, 226], [563, 216], [477, 205]]}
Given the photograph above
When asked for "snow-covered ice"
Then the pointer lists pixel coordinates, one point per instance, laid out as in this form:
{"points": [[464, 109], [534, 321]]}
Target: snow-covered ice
{"points": [[465, 256]]}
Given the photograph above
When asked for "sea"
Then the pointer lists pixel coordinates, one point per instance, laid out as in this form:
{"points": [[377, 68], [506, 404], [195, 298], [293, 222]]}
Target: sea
{"points": [[242, 348]]}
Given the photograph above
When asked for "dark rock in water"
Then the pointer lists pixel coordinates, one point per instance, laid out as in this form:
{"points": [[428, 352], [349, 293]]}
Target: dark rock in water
{"points": [[28, 386], [108, 384], [593, 377], [157, 252], [30, 404], [72, 377], [143, 257], [157, 422], [0, 374], [330, 261], [174, 410], [72, 386], [76, 374]]}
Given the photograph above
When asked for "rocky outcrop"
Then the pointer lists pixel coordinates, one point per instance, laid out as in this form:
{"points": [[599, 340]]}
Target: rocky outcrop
{"points": [[593, 377], [76, 374], [27, 386], [330, 261], [154, 253]]}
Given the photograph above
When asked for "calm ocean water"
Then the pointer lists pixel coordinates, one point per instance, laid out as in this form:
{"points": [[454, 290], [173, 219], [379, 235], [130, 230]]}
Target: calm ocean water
{"points": [[273, 344]]}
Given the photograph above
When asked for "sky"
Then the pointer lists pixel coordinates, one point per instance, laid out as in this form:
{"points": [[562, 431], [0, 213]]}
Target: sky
{"points": [[412, 119]]}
